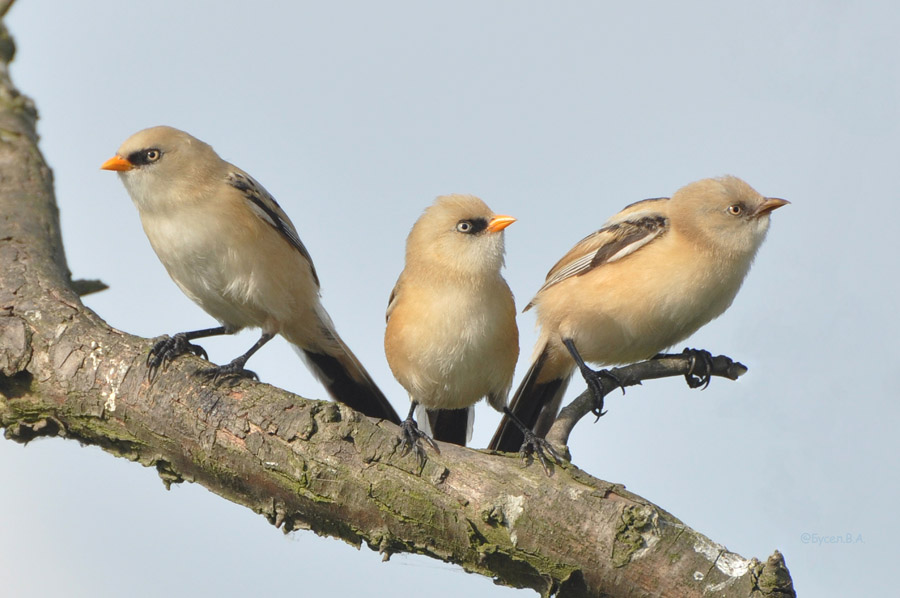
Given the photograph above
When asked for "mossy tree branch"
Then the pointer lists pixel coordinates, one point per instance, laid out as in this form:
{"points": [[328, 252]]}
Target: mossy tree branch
{"points": [[309, 464]]}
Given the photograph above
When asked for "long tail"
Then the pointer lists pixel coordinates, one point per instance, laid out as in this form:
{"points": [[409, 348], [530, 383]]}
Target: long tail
{"points": [[346, 380], [449, 425], [535, 403]]}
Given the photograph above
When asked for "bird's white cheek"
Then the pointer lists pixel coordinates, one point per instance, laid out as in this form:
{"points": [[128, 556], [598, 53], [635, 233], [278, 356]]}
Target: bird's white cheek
{"points": [[756, 233], [136, 188], [488, 255], [140, 187]]}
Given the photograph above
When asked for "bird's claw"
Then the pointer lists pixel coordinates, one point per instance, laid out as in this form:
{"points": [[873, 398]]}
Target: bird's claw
{"points": [[166, 350], [230, 373], [535, 445], [594, 380], [699, 375], [409, 441]]}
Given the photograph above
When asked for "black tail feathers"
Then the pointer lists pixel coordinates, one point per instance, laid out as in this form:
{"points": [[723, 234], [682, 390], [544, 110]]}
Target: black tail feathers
{"points": [[534, 403], [358, 392], [450, 425]]}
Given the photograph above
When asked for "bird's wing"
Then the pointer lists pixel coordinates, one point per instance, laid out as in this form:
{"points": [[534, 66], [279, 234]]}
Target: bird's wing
{"points": [[627, 232], [392, 300], [266, 208]]}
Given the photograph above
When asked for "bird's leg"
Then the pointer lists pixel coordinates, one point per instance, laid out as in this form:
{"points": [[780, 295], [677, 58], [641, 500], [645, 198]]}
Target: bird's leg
{"points": [[234, 371], [410, 434], [533, 444], [701, 366], [593, 378], [167, 349]]}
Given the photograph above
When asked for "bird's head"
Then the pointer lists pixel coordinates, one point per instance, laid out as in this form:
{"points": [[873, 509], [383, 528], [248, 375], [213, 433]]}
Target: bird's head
{"points": [[458, 234], [723, 215], [163, 164]]}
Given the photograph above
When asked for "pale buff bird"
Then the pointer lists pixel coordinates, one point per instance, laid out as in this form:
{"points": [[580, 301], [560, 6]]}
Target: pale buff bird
{"points": [[451, 336], [228, 245], [655, 273]]}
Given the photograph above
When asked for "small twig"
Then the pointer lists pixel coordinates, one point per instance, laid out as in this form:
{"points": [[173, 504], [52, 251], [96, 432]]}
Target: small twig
{"points": [[661, 366], [4, 6], [86, 287]]}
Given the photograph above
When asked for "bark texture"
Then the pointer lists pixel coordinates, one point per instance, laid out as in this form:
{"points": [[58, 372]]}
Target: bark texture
{"points": [[307, 464]]}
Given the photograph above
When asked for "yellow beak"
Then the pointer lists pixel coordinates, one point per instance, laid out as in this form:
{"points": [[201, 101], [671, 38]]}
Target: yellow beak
{"points": [[117, 163], [498, 223]]}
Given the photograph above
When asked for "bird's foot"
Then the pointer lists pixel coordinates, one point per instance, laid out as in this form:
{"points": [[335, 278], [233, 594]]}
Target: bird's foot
{"points": [[230, 373], [535, 445], [701, 366], [410, 434], [595, 381], [167, 349]]}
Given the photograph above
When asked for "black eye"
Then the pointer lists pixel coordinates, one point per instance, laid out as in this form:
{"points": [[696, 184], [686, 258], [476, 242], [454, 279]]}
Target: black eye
{"points": [[464, 226], [736, 209], [152, 155]]}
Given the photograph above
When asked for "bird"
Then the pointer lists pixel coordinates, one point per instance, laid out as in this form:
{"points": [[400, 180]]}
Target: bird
{"points": [[451, 337], [649, 278], [231, 249]]}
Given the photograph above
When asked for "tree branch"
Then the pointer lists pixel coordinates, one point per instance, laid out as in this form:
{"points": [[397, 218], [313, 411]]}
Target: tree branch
{"points": [[663, 366], [310, 464]]}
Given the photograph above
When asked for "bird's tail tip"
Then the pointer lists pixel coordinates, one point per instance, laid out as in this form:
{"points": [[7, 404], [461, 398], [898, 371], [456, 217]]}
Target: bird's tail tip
{"points": [[349, 383], [535, 403], [448, 425]]}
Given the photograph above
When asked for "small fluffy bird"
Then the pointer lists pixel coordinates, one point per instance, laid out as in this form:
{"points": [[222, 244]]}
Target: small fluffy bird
{"points": [[451, 336], [655, 273], [228, 246]]}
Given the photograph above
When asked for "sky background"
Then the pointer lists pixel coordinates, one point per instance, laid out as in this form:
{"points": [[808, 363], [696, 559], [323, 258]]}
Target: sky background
{"points": [[355, 116]]}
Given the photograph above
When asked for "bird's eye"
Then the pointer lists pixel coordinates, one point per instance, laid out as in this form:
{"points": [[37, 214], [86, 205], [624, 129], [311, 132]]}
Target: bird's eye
{"points": [[464, 226], [152, 155], [736, 209]]}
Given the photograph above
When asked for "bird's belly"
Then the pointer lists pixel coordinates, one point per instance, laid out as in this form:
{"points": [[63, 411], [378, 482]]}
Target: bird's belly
{"points": [[452, 364], [457, 377], [623, 319], [265, 289]]}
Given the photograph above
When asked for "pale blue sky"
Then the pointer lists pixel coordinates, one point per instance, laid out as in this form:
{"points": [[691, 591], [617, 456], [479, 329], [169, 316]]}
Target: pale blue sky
{"points": [[355, 115]]}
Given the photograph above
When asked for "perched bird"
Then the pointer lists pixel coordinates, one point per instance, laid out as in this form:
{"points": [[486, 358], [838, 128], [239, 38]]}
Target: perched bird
{"points": [[451, 336], [655, 273], [228, 246]]}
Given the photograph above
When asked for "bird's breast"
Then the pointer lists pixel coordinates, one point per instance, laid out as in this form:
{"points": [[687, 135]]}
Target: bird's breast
{"points": [[632, 309], [449, 347]]}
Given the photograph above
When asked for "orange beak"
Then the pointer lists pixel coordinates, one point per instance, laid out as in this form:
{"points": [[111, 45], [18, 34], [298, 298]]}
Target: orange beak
{"points": [[771, 203], [117, 163], [498, 223]]}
